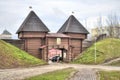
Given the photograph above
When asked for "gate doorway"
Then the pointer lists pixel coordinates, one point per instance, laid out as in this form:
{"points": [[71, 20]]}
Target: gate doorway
{"points": [[56, 53]]}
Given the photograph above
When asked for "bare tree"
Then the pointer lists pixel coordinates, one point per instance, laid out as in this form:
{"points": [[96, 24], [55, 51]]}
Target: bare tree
{"points": [[99, 24], [100, 29], [113, 25]]}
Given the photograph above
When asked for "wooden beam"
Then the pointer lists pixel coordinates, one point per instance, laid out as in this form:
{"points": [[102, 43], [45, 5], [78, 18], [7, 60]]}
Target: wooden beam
{"points": [[81, 46]]}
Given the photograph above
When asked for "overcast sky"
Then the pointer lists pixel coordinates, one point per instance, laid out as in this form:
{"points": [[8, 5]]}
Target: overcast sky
{"points": [[54, 12]]}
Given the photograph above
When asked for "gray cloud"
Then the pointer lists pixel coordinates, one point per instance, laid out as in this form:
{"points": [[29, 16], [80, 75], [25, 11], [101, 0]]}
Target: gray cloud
{"points": [[52, 12]]}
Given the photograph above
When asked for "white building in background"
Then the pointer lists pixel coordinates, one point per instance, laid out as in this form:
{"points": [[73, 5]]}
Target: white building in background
{"points": [[114, 31], [6, 35], [98, 31]]}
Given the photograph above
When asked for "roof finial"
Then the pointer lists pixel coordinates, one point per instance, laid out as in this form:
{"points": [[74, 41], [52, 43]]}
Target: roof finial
{"points": [[72, 12], [30, 7]]}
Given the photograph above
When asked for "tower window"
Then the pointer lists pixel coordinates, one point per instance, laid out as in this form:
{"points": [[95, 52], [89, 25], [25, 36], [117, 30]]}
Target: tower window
{"points": [[58, 41]]}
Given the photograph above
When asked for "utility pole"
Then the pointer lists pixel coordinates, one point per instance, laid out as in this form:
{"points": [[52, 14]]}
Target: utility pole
{"points": [[95, 50]]}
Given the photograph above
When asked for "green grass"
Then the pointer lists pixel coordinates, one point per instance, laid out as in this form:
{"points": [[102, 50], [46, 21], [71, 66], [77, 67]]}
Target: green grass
{"points": [[10, 57], [109, 75], [106, 50], [55, 75]]}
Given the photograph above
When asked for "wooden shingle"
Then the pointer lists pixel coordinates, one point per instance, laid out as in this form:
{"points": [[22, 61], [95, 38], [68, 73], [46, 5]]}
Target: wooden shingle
{"points": [[33, 23], [72, 25]]}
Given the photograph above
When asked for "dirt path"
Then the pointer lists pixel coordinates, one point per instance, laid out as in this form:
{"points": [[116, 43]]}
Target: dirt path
{"points": [[21, 73], [111, 61]]}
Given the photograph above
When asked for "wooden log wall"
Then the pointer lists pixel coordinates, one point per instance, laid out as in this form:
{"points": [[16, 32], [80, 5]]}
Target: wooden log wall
{"points": [[52, 43], [77, 46], [16, 42], [33, 41], [31, 34], [76, 42], [32, 46], [77, 35]]}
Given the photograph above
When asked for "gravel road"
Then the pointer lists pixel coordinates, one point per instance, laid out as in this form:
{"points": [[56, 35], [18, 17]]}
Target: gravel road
{"points": [[21, 73]]}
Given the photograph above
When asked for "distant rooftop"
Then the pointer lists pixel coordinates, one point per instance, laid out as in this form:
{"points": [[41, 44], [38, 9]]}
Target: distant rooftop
{"points": [[6, 32]]}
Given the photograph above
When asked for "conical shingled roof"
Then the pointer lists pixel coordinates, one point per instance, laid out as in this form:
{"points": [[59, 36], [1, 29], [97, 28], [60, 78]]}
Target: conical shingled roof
{"points": [[33, 23], [5, 32], [72, 25]]}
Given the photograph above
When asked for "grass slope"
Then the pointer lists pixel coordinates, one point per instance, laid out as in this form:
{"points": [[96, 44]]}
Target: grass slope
{"points": [[10, 57], [109, 75], [55, 75], [106, 50]]}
